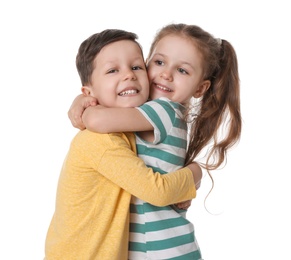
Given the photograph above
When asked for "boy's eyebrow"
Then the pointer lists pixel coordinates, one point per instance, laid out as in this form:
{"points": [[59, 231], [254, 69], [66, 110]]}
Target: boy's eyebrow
{"points": [[138, 59], [110, 63], [138, 56]]}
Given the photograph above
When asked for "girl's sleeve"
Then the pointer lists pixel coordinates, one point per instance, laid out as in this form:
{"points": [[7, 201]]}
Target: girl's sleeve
{"points": [[161, 113]]}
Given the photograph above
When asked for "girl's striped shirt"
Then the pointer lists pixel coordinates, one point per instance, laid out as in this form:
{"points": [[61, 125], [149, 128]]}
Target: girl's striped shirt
{"points": [[162, 232]]}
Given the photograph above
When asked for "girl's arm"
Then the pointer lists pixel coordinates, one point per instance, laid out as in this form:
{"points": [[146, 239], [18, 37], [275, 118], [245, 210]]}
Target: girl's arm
{"points": [[107, 120], [80, 103]]}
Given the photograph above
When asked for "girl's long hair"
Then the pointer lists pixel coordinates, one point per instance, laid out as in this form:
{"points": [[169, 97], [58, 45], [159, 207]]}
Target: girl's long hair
{"points": [[217, 122]]}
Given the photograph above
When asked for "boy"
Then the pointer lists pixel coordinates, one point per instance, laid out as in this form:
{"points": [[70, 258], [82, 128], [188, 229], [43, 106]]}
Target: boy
{"points": [[101, 171]]}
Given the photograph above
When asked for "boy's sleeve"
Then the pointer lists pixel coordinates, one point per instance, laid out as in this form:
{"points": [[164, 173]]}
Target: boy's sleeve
{"points": [[121, 165]]}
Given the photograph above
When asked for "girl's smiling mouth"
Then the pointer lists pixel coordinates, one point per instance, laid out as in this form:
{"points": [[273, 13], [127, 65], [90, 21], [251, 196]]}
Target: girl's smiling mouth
{"points": [[163, 88]]}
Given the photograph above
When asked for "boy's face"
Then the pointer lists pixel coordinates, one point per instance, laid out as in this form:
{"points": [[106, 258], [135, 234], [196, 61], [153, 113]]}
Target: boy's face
{"points": [[119, 78], [175, 70]]}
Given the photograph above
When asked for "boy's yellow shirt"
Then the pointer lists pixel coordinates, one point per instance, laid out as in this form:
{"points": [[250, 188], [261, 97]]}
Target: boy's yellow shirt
{"points": [[99, 174]]}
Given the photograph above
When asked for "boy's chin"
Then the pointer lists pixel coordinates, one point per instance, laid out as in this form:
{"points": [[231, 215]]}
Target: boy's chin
{"points": [[136, 103]]}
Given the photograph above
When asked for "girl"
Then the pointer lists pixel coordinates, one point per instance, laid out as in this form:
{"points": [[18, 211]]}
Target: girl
{"points": [[184, 62]]}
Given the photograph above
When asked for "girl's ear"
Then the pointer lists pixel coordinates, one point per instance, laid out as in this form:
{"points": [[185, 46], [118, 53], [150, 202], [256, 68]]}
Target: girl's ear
{"points": [[202, 89], [86, 91]]}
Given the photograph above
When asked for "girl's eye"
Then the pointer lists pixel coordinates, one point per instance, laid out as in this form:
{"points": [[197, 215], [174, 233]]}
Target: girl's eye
{"points": [[182, 71], [159, 62]]}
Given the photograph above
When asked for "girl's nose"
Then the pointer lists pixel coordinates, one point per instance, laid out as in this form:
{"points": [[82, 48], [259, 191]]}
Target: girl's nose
{"points": [[166, 75]]}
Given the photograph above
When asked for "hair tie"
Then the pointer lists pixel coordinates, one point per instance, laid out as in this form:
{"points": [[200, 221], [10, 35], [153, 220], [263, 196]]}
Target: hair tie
{"points": [[219, 41]]}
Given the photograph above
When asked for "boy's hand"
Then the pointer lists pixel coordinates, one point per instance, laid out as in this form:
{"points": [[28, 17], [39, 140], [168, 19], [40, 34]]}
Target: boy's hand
{"points": [[77, 108], [184, 205], [197, 173]]}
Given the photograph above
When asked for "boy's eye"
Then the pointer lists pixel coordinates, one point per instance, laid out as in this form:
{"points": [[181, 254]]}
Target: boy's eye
{"points": [[182, 71], [136, 68], [112, 71]]}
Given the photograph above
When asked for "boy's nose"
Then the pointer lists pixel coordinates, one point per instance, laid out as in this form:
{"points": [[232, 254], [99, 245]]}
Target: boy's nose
{"points": [[129, 74]]}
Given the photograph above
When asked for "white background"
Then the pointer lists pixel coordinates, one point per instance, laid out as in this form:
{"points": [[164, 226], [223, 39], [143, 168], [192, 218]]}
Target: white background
{"points": [[38, 80]]}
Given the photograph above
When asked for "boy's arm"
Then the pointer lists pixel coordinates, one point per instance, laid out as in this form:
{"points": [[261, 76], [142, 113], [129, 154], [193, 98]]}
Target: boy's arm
{"points": [[125, 169], [197, 174], [114, 157], [107, 120]]}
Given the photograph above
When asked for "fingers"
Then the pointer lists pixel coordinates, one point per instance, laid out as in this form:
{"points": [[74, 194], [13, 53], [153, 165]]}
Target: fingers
{"points": [[77, 122], [184, 205], [77, 108], [197, 185], [89, 101], [197, 173], [75, 116]]}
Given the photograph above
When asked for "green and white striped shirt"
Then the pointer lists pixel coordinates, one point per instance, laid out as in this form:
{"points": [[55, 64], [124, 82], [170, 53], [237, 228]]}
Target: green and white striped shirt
{"points": [[162, 232]]}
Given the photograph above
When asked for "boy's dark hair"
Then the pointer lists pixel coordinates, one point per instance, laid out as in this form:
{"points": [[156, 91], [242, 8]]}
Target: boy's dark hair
{"points": [[93, 45]]}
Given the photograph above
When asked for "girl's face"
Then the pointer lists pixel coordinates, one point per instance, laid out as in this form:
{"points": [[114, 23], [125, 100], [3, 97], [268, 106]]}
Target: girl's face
{"points": [[175, 70]]}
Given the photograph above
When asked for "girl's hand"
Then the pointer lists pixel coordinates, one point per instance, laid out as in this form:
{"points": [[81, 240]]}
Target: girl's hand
{"points": [[77, 108]]}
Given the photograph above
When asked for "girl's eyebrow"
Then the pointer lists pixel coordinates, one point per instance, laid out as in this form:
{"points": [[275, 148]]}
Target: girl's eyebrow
{"points": [[160, 54], [181, 61]]}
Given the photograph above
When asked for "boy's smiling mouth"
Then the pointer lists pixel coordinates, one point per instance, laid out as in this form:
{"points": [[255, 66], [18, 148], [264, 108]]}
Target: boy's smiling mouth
{"points": [[128, 92]]}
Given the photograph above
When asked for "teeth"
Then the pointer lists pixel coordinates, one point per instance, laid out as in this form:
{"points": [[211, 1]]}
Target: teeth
{"points": [[163, 88], [128, 92]]}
